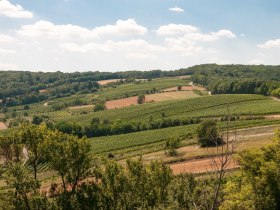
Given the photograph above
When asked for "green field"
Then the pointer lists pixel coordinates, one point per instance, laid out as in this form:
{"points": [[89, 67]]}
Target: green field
{"points": [[208, 106], [147, 139], [132, 89]]}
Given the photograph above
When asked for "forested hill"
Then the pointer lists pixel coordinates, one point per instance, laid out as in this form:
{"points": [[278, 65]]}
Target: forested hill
{"points": [[23, 87], [228, 79]]}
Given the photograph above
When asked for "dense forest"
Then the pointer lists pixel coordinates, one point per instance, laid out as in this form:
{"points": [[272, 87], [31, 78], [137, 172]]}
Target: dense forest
{"points": [[231, 79]]}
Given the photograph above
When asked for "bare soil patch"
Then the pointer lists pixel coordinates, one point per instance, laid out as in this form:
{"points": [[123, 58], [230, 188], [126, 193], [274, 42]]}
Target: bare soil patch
{"points": [[81, 107], [105, 82], [184, 77], [120, 103], [198, 166], [170, 96], [157, 97], [276, 116], [2, 126], [43, 91], [185, 88]]}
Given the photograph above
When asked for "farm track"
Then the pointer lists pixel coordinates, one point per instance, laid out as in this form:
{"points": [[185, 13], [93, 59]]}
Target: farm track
{"points": [[199, 166]]}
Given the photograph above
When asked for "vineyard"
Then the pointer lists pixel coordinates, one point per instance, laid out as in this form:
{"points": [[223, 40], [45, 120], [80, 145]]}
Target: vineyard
{"points": [[147, 139], [208, 106], [133, 89]]}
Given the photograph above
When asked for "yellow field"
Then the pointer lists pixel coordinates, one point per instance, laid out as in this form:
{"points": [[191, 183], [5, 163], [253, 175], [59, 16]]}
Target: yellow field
{"points": [[170, 96]]}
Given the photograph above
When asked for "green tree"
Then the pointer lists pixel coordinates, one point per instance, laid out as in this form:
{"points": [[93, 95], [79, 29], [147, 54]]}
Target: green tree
{"points": [[75, 163], [33, 138], [207, 134]]}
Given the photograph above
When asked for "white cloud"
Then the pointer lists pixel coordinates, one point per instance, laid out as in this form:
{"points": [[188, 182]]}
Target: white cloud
{"points": [[123, 45], [133, 45], [176, 9], [176, 29], [6, 38], [13, 11], [7, 51], [122, 27], [45, 29], [8, 66], [256, 61], [270, 44], [224, 33], [193, 33]]}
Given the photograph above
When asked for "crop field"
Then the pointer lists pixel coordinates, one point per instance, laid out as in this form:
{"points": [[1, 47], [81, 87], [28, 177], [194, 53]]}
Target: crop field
{"points": [[208, 106], [147, 139], [133, 89]]}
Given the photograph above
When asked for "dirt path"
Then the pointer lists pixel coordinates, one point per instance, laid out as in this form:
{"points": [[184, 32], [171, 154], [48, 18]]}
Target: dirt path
{"points": [[198, 166], [2, 126]]}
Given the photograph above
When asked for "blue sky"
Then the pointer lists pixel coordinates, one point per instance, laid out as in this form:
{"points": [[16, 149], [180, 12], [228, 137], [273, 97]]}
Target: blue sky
{"points": [[113, 35]]}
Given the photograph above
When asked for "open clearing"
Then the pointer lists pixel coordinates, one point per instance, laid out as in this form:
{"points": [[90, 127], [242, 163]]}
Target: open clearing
{"points": [[81, 107], [2, 126], [105, 82], [185, 88], [120, 103], [43, 91], [198, 166], [157, 97]]}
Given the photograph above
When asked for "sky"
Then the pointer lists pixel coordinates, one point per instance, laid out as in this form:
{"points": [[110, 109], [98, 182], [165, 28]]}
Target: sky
{"points": [[120, 35]]}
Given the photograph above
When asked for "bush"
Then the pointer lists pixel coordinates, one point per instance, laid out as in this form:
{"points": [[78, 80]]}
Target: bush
{"points": [[141, 99], [172, 146]]}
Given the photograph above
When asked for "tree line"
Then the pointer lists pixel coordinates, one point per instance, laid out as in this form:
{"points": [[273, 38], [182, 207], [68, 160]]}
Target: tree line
{"points": [[104, 127]]}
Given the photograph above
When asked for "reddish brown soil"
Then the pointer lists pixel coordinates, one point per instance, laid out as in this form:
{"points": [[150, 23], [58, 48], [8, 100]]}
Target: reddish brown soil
{"points": [[2, 126], [198, 166], [120, 103]]}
